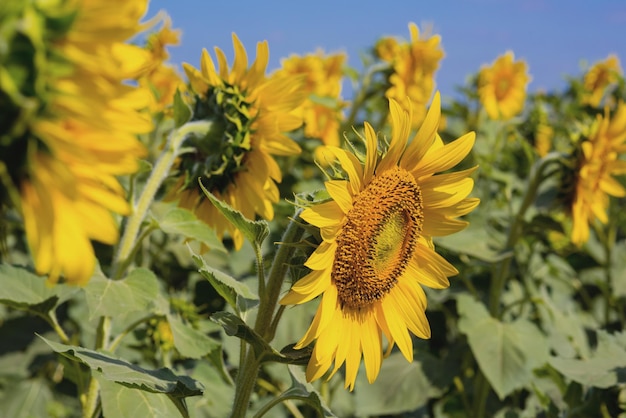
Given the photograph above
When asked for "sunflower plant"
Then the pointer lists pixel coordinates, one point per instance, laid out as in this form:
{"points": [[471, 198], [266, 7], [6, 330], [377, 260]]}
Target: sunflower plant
{"points": [[234, 240]]}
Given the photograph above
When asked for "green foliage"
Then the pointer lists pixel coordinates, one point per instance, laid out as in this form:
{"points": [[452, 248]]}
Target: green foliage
{"points": [[507, 353], [136, 292], [254, 231], [175, 322], [183, 222], [235, 293], [116, 370]]}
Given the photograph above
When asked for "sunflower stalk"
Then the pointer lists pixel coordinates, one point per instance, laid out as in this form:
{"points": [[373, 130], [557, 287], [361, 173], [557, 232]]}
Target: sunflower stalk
{"points": [[158, 175], [264, 325], [607, 237]]}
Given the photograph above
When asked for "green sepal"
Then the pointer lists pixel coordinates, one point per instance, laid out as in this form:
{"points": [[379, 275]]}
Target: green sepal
{"points": [[182, 111]]}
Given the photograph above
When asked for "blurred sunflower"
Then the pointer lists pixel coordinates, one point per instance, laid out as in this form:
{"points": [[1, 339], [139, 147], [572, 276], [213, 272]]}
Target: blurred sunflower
{"points": [[413, 67], [599, 78], [377, 248], [321, 111], [599, 162], [502, 87], [543, 139], [162, 79], [68, 124], [250, 114]]}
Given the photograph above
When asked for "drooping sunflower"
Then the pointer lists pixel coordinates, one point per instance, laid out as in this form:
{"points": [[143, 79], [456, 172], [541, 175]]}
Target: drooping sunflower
{"points": [[599, 78], [377, 250], [599, 162], [413, 68], [68, 124], [321, 111], [250, 114], [502, 87]]}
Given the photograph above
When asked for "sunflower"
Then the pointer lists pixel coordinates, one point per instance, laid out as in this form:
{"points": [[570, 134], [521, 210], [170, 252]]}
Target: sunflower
{"points": [[321, 111], [69, 124], [502, 87], [599, 77], [413, 67], [162, 79], [250, 114], [599, 162], [377, 249]]}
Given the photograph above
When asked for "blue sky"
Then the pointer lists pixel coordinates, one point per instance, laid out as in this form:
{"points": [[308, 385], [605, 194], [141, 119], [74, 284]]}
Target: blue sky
{"points": [[554, 37]]}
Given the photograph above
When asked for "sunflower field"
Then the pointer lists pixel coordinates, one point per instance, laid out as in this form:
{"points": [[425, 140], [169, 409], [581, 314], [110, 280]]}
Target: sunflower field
{"points": [[231, 240]]}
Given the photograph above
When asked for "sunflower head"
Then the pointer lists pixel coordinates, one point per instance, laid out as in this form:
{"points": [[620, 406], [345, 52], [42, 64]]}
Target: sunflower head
{"points": [[592, 181], [502, 87], [599, 78], [413, 67], [377, 244], [249, 114], [68, 124]]}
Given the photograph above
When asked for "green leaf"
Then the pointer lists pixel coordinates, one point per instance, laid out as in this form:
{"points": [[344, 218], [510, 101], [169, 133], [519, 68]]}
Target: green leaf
{"points": [[184, 222], [304, 391], [122, 402], [136, 292], [182, 111], [117, 370], [189, 341], [234, 326], [216, 401], [507, 353], [26, 399], [400, 387], [605, 368], [22, 289], [254, 231], [228, 287], [473, 241], [564, 324]]}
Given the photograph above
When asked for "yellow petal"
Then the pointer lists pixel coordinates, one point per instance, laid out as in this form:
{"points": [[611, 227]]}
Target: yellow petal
{"points": [[323, 214], [322, 257], [372, 346], [338, 190], [397, 328], [351, 166], [416, 150], [371, 153], [445, 157]]}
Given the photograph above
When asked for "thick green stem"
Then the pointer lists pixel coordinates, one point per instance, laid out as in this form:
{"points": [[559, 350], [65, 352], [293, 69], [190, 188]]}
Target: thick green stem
{"points": [[607, 238], [249, 368], [159, 173], [267, 306], [245, 385]]}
